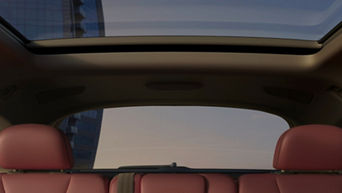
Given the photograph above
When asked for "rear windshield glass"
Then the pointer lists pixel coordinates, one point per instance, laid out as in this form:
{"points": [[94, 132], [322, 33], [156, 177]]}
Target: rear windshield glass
{"points": [[191, 136]]}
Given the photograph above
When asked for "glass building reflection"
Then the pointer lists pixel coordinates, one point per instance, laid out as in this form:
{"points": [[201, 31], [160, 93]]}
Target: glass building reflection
{"points": [[83, 131], [46, 19]]}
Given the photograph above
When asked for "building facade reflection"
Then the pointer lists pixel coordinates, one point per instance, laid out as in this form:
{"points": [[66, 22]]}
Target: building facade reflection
{"points": [[45, 19]]}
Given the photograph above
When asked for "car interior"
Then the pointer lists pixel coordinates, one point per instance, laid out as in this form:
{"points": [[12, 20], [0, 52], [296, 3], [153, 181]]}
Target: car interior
{"points": [[48, 82]]}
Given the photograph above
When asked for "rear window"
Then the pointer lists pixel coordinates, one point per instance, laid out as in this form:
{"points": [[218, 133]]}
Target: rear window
{"points": [[191, 136]]}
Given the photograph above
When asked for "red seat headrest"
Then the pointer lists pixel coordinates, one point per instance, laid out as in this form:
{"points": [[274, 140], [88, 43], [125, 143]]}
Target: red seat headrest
{"points": [[34, 146], [309, 147]]}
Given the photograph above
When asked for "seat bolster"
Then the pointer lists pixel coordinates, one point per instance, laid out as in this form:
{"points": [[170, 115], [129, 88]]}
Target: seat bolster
{"points": [[220, 183], [258, 183], [88, 183], [282, 183], [35, 182], [310, 183], [2, 190], [170, 183], [53, 183]]}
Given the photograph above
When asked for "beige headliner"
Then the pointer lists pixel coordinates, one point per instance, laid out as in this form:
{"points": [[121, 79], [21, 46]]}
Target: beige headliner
{"points": [[301, 88], [192, 40]]}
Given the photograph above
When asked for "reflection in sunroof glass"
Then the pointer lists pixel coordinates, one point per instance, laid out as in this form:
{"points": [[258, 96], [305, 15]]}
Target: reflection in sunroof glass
{"points": [[293, 19]]}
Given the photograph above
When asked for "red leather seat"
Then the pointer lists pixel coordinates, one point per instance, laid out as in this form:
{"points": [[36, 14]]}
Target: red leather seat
{"points": [[303, 148], [180, 183], [40, 147]]}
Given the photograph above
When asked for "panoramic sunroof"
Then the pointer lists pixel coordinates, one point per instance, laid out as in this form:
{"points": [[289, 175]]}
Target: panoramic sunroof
{"points": [[58, 19]]}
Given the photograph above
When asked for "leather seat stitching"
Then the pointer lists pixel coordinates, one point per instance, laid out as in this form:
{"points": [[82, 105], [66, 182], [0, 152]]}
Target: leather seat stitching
{"points": [[66, 191], [277, 184]]}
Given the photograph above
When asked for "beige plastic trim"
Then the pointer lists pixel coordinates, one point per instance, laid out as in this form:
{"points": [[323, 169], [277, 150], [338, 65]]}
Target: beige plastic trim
{"points": [[189, 40], [193, 61], [24, 65]]}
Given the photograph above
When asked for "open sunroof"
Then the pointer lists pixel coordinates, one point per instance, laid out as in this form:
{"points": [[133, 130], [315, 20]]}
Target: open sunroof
{"points": [[59, 19]]}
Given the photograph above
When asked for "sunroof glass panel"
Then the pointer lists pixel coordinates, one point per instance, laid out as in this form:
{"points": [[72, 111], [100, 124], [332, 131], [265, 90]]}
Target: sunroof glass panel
{"points": [[291, 19]]}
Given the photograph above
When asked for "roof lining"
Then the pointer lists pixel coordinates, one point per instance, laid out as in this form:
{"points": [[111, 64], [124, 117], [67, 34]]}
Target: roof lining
{"points": [[112, 44], [116, 63], [174, 40], [164, 43]]}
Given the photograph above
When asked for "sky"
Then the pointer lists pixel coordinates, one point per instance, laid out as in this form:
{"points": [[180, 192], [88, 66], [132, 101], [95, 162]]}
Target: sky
{"points": [[196, 137], [291, 19], [295, 19]]}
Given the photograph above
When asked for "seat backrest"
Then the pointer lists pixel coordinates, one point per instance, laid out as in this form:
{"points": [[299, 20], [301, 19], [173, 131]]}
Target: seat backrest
{"points": [[180, 183], [302, 149], [41, 147]]}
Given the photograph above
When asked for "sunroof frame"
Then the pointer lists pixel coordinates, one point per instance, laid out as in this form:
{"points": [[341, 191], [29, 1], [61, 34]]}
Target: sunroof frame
{"points": [[171, 43]]}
